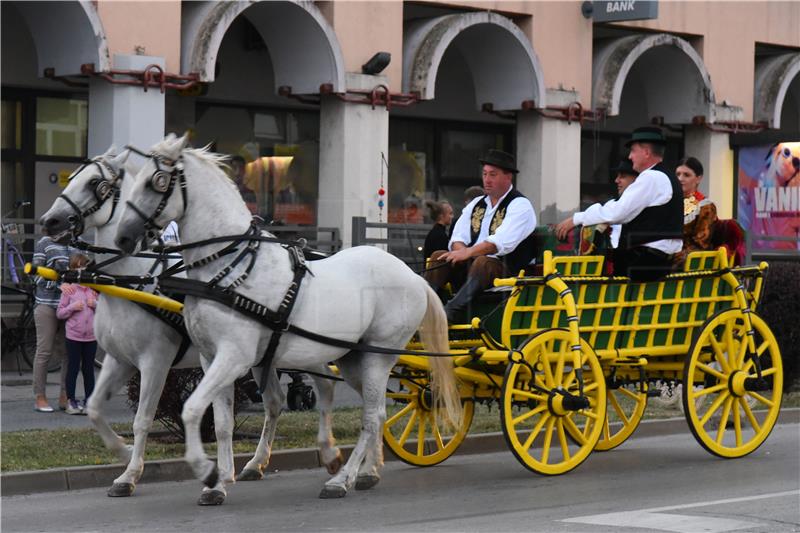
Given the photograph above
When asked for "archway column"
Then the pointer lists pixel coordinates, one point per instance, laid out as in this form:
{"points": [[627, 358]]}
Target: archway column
{"points": [[714, 152], [548, 158], [352, 139], [124, 114]]}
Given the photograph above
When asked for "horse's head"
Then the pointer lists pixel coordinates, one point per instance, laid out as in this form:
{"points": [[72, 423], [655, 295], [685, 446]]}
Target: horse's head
{"points": [[158, 194], [90, 198]]}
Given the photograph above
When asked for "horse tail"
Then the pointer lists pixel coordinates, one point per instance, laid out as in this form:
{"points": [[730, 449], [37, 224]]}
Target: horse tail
{"points": [[444, 384]]}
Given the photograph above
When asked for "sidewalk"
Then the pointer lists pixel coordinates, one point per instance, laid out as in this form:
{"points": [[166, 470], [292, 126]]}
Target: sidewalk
{"points": [[16, 404]]}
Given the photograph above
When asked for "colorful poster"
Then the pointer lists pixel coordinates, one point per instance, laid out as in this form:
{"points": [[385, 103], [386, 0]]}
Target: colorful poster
{"points": [[769, 195]]}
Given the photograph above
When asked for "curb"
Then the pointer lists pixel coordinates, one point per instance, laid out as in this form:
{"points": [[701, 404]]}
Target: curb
{"points": [[85, 477]]}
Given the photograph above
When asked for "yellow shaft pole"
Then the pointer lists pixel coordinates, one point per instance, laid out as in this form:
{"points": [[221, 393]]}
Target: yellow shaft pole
{"points": [[154, 300]]}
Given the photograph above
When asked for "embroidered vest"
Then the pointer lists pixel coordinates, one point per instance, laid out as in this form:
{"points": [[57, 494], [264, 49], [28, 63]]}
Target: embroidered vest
{"points": [[524, 253], [657, 222]]}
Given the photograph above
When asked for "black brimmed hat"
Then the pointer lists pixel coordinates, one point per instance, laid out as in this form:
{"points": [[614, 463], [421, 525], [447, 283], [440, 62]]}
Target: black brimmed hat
{"points": [[647, 134], [625, 167], [500, 159]]}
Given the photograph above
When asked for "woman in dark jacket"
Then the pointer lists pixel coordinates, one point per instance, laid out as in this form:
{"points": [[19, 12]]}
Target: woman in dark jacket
{"points": [[438, 239]]}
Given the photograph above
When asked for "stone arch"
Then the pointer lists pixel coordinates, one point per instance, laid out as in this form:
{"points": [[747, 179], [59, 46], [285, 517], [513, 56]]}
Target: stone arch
{"points": [[672, 62], [304, 49], [776, 79], [504, 67], [67, 35]]}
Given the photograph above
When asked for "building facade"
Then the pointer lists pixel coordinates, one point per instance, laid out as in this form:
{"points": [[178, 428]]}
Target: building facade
{"points": [[318, 127]]}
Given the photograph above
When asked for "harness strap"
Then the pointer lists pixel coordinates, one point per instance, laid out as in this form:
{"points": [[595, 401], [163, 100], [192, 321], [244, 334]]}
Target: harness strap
{"points": [[271, 319], [176, 322]]}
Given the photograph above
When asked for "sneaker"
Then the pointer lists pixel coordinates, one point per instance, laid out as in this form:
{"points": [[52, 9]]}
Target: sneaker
{"points": [[73, 408], [82, 406]]}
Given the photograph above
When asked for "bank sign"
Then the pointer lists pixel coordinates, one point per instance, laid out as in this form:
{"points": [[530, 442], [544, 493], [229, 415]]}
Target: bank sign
{"points": [[619, 10]]}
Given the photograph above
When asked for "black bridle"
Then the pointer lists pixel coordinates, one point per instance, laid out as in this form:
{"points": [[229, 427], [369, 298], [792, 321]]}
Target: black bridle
{"points": [[162, 182], [103, 188]]}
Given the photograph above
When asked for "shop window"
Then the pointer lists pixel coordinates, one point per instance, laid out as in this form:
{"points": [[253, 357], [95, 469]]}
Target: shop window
{"points": [[61, 127], [436, 160], [12, 125], [274, 158]]}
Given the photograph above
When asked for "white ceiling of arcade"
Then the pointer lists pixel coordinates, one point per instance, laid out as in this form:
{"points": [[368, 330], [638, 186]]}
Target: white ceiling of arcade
{"points": [[303, 47], [66, 34], [671, 74], [505, 70]]}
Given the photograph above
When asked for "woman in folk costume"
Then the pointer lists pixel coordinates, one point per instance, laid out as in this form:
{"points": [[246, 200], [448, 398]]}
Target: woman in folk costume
{"points": [[699, 213]]}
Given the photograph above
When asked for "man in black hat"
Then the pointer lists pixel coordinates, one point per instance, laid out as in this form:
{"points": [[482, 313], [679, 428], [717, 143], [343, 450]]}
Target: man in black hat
{"points": [[492, 238], [650, 211]]}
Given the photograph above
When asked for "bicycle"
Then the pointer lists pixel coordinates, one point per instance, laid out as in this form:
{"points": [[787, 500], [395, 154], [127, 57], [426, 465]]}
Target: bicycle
{"points": [[19, 337]]}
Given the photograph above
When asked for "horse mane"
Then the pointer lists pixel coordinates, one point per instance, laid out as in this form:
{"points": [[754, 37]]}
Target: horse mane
{"points": [[173, 146]]}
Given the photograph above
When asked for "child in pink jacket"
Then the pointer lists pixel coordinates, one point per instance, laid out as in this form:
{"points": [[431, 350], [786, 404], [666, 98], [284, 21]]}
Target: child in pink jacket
{"points": [[77, 308]]}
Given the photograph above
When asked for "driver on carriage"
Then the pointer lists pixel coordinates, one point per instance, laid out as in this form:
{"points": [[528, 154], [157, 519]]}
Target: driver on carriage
{"points": [[493, 238]]}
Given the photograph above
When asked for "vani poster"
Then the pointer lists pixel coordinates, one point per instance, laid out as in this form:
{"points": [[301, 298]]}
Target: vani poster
{"points": [[769, 195]]}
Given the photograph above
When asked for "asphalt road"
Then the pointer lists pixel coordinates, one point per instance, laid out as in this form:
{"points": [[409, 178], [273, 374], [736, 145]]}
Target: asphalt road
{"points": [[649, 484]]}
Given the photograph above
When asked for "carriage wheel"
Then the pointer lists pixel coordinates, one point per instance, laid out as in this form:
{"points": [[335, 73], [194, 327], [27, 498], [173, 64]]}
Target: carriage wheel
{"points": [[413, 433], [729, 410], [547, 425], [625, 409]]}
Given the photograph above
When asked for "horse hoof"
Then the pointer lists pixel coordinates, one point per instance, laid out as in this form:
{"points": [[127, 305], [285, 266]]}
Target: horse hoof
{"points": [[332, 492], [121, 490], [249, 475], [211, 479], [334, 466], [211, 497], [366, 482]]}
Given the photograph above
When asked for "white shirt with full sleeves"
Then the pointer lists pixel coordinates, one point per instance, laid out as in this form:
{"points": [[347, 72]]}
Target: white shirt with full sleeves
{"points": [[518, 223], [651, 188]]}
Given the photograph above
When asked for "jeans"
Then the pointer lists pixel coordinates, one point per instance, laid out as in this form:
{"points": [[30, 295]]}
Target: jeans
{"points": [[49, 337], [81, 359]]}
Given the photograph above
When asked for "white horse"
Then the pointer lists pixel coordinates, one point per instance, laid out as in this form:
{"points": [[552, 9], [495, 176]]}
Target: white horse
{"points": [[135, 339], [360, 294]]}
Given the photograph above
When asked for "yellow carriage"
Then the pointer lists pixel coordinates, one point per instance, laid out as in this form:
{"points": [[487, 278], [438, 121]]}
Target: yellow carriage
{"points": [[573, 354], [571, 361]]}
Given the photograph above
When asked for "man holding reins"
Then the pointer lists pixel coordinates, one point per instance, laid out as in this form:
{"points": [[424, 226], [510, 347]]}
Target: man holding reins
{"points": [[493, 238]]}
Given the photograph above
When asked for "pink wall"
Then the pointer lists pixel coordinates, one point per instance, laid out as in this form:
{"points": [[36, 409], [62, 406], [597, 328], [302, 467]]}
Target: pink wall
{"points": [[154, 25], [364, 28], [730, 31]]}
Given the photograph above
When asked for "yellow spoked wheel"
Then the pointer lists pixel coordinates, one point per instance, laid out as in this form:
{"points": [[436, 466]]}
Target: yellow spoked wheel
{"points": [[730, 409], [625, 408], [412, 431], [550, 427]]}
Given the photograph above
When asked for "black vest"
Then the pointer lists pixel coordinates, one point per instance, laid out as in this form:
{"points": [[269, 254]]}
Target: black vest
{"points": [[656, 222], [524, 253]]}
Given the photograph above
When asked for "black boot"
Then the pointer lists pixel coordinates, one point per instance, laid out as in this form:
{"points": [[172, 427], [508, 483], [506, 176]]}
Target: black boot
{"points": [[462, 299]]}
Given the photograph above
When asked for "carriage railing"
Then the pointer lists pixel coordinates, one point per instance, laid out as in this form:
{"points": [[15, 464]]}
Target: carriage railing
{"points": [[623, 320]]}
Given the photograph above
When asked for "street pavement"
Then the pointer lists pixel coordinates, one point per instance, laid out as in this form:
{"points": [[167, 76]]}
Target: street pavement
{"points": [[665, 483], [17, 413]]}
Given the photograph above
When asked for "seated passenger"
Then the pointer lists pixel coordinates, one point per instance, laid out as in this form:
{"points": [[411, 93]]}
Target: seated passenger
{"points": [[493, 237], [699, 213], [438, 238], [649, 210], [604, 236]]}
